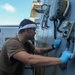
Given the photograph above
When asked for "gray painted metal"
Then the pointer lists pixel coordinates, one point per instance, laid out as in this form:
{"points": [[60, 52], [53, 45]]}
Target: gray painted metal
{"points": [[45, 37]]}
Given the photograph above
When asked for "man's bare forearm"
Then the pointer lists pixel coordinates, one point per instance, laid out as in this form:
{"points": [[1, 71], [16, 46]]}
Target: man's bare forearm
{"points": [[36, 60], [44, 50], [42, 61]]}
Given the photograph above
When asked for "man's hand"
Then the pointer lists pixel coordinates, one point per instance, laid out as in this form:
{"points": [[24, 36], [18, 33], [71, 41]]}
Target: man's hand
{"points": [[56, 43], [65, 56]]}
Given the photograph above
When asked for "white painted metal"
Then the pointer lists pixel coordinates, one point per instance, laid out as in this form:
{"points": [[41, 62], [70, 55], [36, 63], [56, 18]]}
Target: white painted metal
{"points": [[7, 32]]}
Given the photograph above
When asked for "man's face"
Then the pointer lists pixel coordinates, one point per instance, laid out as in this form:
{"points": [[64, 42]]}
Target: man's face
{"points": [[32, 33]]}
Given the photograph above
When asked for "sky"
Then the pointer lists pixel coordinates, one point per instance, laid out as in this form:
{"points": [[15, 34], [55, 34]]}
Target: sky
{"points": [[13, 11]]}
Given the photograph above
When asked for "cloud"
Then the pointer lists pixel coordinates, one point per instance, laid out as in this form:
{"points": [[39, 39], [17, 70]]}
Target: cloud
{"points": [[8, 7]]}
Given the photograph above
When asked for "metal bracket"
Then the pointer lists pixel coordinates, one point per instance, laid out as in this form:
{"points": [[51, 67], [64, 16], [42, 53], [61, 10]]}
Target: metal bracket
{"points": [[45, 17], [69, 30]]}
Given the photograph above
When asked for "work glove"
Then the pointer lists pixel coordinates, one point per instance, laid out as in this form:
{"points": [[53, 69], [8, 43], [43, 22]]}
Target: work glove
{"points": [[56, 43], [65, 56]]}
